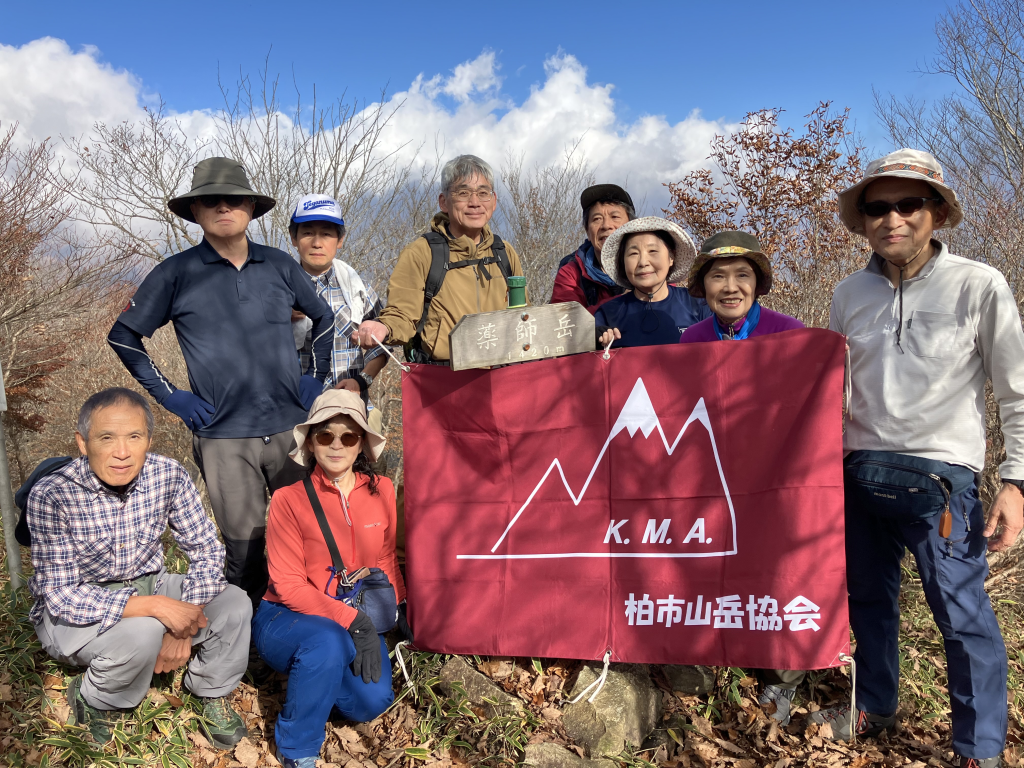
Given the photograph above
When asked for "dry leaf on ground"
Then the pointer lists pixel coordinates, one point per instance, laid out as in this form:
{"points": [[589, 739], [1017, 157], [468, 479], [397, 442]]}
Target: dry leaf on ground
{"points": [[246, 753], [346, 734]]}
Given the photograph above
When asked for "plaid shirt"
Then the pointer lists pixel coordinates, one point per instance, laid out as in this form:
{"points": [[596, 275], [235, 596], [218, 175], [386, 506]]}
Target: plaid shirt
{"points": [[83, 533], [352, 301]]}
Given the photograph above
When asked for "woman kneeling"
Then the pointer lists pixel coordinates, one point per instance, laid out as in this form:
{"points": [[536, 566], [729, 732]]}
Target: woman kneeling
{"points": [[331, 651]]}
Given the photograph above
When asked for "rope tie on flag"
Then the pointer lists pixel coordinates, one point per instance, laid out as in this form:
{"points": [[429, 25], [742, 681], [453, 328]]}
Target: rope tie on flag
{"points": [[847, 385], [607, 354], [599, 683], [398, 657], [401, 365], [853, 688]]}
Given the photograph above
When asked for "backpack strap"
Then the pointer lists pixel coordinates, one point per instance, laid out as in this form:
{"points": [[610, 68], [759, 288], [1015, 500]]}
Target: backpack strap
{"points": [[498, 249], [439, 256]]}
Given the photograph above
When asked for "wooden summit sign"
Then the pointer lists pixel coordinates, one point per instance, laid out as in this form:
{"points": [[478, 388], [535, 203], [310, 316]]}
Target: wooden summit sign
{"points": [[518, 335]]}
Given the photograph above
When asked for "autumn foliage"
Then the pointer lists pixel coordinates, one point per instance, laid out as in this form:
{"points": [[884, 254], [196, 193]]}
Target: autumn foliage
{"points": [[781, 187]]}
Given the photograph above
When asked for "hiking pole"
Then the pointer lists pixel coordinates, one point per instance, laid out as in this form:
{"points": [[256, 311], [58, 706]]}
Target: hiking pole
{"points": [[7, 501]]}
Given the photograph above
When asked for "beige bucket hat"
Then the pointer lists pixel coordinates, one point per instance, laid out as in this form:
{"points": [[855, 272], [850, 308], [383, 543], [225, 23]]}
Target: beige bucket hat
{"points": [[685, 249], [336, 402], [904, 164]]}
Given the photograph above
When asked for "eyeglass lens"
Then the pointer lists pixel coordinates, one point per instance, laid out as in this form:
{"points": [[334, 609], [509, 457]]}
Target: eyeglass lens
{"points": [[212, 201], [483, 195], [907, 205], [326, 439]]}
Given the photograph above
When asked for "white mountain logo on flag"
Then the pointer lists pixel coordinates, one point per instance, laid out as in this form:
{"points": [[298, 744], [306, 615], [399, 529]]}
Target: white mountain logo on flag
{"points": [[637, 415]]}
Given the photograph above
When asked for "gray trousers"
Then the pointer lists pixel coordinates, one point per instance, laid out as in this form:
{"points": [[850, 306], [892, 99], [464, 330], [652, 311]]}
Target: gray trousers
{"points": [[783, 678], [238, 472], [120, 661]]}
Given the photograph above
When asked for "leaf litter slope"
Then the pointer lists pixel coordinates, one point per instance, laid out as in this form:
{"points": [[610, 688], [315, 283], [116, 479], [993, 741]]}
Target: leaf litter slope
{"points": [[426, 728]]}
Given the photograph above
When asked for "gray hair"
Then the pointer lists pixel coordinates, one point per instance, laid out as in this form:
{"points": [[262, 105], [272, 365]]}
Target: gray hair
{"points": [[107, 398], [630, 212], [464, 167]]}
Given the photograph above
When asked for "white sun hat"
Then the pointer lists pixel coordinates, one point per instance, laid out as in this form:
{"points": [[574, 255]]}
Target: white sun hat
{"points": [[684, 256]]}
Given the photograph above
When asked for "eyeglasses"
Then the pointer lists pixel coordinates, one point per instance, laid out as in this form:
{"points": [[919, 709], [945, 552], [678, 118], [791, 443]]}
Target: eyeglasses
{"points": [[326, 438], [233, 201], [878, 208], [463, 194]]}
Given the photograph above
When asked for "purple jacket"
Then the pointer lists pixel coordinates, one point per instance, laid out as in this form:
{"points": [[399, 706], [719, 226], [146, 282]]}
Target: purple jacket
{"points": [[770, 322]]}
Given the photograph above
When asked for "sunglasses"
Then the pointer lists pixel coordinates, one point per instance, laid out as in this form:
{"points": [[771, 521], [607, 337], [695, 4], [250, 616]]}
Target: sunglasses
{"points": [[908, 205], [212, 201], [326, 439]]}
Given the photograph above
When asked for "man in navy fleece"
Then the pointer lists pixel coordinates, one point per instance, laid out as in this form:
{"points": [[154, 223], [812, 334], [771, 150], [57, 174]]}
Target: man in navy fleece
{"points": [[231, 300]]}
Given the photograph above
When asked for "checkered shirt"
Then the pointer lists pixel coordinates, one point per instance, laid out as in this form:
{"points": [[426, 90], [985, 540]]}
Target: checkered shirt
{"points": [[341, 287], [83, 533]]}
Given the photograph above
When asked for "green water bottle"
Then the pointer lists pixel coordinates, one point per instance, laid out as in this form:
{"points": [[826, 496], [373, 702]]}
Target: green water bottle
{"points": [[516, 291]]}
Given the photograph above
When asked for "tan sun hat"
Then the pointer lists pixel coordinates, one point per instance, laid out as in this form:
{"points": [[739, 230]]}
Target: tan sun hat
{"points": [[336, 402], [685, 249], [903, 164]]}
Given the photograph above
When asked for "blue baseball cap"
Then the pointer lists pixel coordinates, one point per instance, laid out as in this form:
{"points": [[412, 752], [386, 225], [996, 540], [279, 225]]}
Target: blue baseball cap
{"points": [[318, 208]]}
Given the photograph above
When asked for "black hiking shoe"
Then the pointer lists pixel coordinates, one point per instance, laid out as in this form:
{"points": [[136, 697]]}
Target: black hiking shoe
{"points": [[221, 724], [97, 721]]}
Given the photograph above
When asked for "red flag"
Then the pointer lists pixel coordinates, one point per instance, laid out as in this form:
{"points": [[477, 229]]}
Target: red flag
{"points": [[677, 504]]}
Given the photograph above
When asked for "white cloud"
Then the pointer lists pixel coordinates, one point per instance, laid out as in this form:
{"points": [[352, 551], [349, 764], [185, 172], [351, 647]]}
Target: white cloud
{"points": [[49, 90], [565, 108], [53, 91]]}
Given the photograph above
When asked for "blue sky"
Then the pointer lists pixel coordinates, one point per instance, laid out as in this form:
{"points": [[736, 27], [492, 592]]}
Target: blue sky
{"points": [[661, 59], [664, 58]]}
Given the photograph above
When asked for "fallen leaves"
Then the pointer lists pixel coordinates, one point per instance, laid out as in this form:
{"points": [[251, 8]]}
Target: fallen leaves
{"points": [[247, 754], [727, 729]]}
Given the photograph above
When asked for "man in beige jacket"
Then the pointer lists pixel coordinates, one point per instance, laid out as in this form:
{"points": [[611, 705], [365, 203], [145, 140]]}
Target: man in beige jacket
{"points": [[473, 282]]}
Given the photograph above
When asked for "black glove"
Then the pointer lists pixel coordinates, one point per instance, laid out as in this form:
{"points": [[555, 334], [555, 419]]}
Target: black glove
{"points": [[367, 660], [403, 623]]}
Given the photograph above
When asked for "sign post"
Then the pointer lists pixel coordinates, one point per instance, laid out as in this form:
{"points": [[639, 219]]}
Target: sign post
{"points": [[521, 334], [7, 500]]}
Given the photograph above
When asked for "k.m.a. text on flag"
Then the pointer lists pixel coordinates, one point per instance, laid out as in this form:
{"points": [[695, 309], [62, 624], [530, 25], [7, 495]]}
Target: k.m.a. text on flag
{"points": [[674, 504]]}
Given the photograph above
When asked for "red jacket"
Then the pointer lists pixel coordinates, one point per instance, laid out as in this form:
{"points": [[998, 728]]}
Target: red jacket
{"points": [[572, 284], [297, 553]]}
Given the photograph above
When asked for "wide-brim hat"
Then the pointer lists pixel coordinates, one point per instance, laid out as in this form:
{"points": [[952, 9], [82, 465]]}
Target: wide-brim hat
{"points": [[336, 402], [730, 244], [219, 176], [903, 164], [685, 249]]}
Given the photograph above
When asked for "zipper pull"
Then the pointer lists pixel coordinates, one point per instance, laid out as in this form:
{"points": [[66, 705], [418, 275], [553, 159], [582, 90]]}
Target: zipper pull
{"points": [[945, 523], [344, 508]]}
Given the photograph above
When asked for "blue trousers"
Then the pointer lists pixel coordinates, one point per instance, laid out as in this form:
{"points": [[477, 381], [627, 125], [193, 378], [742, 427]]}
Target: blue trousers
{"points": [[953, 574], [317, 654]]}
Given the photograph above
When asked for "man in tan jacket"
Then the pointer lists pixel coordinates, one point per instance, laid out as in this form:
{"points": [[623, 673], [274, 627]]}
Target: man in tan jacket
{"points": [[474, 281]]}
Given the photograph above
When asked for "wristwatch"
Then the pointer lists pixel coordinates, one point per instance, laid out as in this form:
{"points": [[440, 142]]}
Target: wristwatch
{"points": [[1018, 483], [364, 380]]}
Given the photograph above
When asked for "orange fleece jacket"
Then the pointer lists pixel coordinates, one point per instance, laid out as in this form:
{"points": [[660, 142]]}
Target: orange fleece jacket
{"points": [[297, 553]]}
